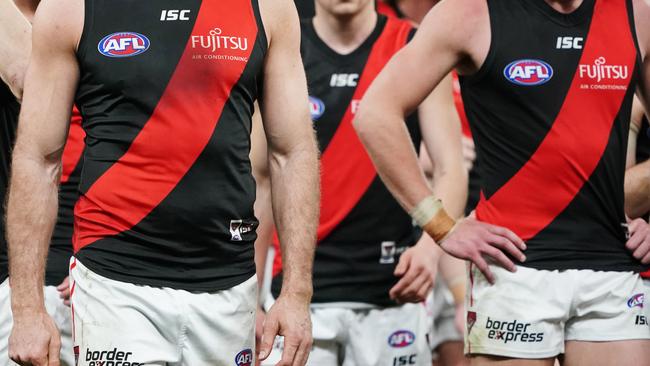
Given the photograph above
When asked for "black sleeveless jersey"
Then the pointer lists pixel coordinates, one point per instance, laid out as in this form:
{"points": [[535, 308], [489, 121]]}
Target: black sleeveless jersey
{"points": [[550, 111], [305, 8], [643, 141], [166, 93], [9, 108], [362, 228]]}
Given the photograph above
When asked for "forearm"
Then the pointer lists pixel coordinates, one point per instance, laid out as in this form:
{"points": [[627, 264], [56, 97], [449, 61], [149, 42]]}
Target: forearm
{"points": [[454, 274], [31, 214], [450, 185], [15, 46], [637, 190], [264, 213], [388, 143], [295, 196]]}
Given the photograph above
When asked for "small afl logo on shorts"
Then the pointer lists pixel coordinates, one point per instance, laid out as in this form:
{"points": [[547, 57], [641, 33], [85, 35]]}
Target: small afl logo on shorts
{"points": [[528, 72], [401, 339], [636, 300], [471, 320], [75, 349], [316, 108], [244, 358], [123, 44]]}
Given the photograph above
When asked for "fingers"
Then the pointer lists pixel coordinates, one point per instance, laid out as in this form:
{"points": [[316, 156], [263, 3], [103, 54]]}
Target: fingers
{"points": [[291, 344], [506, 245], [482, 265], [410, 294], [642, 249], [501, 231], [404, 282], [303, 352], [403, 264], [424, 290], [54, 348], [268, 336], [500, 258]]}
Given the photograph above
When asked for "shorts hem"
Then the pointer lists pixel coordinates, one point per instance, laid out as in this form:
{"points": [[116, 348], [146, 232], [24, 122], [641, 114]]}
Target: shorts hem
{"points": [[500, 352], [614, 338]]}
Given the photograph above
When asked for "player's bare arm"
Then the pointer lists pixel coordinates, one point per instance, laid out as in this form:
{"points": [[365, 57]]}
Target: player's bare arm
{"points": [[293, 167], [380, 126], [49, 89], [15, 45], [637, 176], [440, 126]]}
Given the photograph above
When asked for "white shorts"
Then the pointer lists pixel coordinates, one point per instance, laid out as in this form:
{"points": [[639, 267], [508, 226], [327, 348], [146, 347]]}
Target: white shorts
{"points": [[531, 313], [57, 310], [395, 336], [118, 323], [444, 317]]}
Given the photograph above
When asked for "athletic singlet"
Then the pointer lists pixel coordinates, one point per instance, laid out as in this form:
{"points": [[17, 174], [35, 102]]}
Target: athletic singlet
{"points": [[9, 108], [643, 154], [550, 111], [305, 8], [362, 229], [166, 92], [58, 258]]}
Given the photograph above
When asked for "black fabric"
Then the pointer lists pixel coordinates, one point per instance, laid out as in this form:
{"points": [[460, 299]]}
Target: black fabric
{"points": [[510, 121], [185, 242], [348, 264], [9, 108], [305, 8]]}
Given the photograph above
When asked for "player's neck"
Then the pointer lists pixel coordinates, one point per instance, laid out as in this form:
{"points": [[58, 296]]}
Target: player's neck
{"points": [[564, 6], [345, 34], [415, 10]]}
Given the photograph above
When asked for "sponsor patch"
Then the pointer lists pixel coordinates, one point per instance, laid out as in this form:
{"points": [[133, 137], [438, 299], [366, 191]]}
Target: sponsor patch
{"points": [[123, 44], [244, 358], [528, 72], [401, 339], [636, 301]]}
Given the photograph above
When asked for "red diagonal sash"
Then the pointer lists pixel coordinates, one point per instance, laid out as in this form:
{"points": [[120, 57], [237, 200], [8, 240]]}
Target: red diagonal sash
{"points": [[346, 168], [74, 146], [177, 132], [570, 152]]}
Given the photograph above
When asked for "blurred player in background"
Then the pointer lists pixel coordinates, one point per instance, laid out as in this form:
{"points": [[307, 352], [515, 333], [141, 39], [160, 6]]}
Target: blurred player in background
{"points": [[552, 148]]}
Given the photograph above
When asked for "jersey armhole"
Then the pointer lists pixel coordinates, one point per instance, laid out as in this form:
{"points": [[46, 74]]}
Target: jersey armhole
{"points": [[82, 47], [630, 14], [261, 30], [495, 31]]}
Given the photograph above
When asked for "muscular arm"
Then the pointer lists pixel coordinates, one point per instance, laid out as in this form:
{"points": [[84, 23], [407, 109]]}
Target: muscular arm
{"points": [[294, 172], [49, 89], [15, 46], [642, 20], [637, 176]]}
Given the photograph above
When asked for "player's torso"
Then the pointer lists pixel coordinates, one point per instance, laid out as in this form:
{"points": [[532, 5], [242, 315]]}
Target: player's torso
{"points": [[166, 94], [9, 108], [549, 110], [363, 229]]}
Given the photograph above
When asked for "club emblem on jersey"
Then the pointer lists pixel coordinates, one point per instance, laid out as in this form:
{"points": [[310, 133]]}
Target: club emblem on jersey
{"points": [[401, 339], [123, 44], [636, 300], [316, 108], [244, 358], [528, 72]]}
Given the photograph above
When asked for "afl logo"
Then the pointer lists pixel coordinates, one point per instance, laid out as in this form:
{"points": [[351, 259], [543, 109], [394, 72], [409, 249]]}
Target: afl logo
{"points": [[244, 358], [636, 300], [528, 72], [401, 339], [316, 108], [123, 44]]}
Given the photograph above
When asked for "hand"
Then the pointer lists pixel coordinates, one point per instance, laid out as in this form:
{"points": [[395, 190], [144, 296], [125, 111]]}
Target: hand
{"points": [[417, 268], [639, 241], [474, 240], [35, 340], [469, 152], [259, 326], [288, 317], [64, 291]]}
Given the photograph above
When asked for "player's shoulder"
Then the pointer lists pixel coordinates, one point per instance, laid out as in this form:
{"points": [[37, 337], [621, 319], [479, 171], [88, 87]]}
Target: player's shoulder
{"points": [[278, 16], [642, 20], [60, 21], [462, 22]]}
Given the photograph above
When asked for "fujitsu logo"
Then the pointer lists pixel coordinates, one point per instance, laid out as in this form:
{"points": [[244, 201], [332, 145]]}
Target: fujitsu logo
{"points": [[600, 70], [216, 40]]}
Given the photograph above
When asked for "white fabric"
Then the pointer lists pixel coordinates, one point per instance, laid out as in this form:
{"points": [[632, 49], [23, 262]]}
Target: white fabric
{"points": [[531, 313], [444, 317], [396, 336], [140, 325], [57, 310]]}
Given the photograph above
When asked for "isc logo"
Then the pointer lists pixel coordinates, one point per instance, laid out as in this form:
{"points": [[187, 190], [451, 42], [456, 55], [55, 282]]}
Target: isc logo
{"points": [[405, 360], [401, 338], [344, 80], [171, 15], [123, 44], [528, 72], [567, 43], [244, 358]]}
